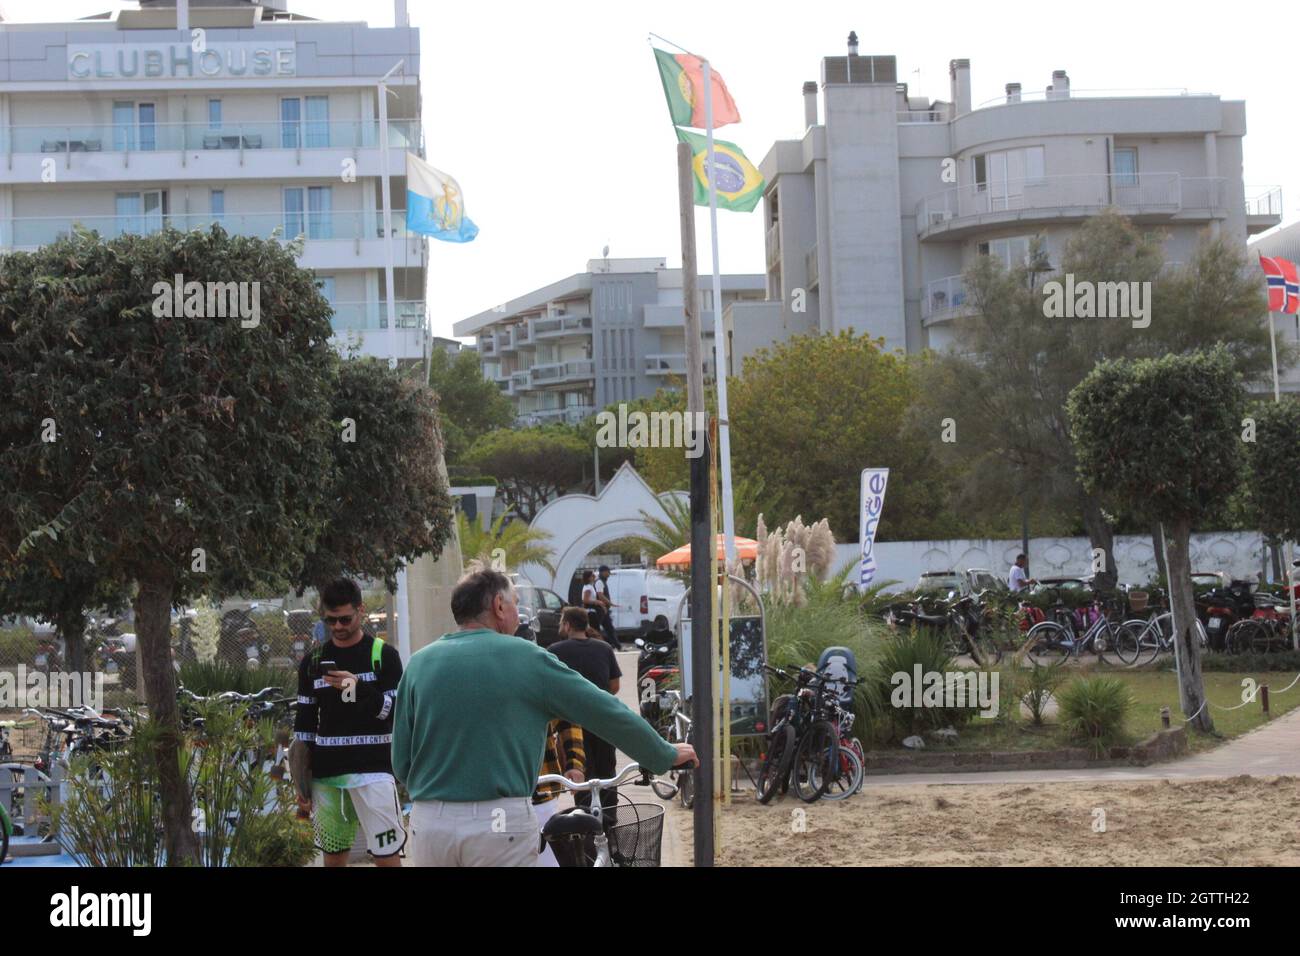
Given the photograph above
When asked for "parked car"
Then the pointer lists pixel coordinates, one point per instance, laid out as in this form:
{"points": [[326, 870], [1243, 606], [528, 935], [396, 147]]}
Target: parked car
{"points": [[969, 581], [639, 595], [539, 611]]}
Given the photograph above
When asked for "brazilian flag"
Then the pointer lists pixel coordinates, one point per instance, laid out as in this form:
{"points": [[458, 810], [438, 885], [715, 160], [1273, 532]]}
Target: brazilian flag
{"points": [[740, 185]]}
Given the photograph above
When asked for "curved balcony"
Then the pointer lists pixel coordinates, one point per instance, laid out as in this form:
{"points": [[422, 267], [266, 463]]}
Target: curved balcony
{"points": [[943, 299], [962, 210]]}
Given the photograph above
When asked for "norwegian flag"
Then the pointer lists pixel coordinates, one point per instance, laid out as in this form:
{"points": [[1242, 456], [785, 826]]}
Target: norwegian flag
{"points": [[1283, 284]]}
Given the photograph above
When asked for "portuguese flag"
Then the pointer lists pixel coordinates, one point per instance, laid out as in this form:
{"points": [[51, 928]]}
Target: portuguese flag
{"points": [[683, 76], [740, 185]]}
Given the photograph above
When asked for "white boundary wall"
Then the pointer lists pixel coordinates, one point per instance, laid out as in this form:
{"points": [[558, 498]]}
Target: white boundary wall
{"points": [[1239, 553]]}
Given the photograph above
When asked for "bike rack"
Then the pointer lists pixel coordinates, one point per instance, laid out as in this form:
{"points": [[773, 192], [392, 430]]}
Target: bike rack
{"points": [[35, 786]]}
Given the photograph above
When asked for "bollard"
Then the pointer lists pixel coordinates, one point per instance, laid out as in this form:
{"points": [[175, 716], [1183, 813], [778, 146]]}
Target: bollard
{"points": [[1164, 718], [1263, 699]]}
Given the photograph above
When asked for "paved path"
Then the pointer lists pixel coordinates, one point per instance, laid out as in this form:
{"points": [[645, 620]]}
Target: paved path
{"points": [[1270, 750]]}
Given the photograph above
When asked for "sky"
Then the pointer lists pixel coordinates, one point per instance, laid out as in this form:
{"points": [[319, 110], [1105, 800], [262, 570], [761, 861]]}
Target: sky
{"points": [[552, 118]]}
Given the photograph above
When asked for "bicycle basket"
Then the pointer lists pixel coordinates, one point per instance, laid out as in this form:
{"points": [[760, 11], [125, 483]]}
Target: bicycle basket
{"points": [[636, 833], [1137, 600]]}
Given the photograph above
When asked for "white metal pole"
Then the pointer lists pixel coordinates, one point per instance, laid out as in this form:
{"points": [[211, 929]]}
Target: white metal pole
{"points": [[387, 226], [719, 335], [183, 16], [403, 595]]}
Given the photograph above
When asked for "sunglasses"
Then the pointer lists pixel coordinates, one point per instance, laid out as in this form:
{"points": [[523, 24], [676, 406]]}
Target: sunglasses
{"points": [[343, 619]]}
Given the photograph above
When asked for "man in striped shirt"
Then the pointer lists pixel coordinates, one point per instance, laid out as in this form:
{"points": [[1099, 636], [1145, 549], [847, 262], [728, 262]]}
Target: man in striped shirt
{"points": [[346, 691], [564, 755]]}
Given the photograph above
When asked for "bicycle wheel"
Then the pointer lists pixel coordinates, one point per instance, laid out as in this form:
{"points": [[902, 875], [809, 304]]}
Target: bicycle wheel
{"points": [[1047, 643], [1146, 640], [986, 649], [1114, 646], [1125, 644], [1238, 639], [686, 788], [776, 762], [816, 762], [849, 780]]}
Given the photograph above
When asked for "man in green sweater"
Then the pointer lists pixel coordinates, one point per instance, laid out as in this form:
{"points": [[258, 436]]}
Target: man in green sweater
{"points": [[470, 724]]}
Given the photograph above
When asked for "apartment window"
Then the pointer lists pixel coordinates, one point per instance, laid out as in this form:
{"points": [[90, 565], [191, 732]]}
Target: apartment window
{"points": [[134, 126], [1005, 174], [140, 212], [1013, 250], [308, 211], [1126, 166], [217, 201], [314, 132], [981, 173], [214, 114]]}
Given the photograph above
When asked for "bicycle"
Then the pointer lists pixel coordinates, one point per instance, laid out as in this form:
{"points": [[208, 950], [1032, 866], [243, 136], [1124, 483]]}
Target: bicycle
{"points": [[1052, 642], [633, 838], [803, 744], [852, 757], [1155, 636], [677, 725]]}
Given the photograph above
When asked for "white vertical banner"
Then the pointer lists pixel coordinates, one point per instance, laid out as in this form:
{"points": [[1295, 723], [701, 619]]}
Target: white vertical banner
{"points": [[874, 481]]}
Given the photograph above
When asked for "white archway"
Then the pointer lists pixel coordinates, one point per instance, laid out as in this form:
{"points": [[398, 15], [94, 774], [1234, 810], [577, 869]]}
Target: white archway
{"points": [[578, 524]]}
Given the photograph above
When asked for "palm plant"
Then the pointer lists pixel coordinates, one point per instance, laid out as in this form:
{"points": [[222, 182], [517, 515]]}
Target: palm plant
{"points": [[666, 534], [513, 542]]}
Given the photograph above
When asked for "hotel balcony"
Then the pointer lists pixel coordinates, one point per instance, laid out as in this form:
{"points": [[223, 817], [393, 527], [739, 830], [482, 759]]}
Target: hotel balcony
{"points": [[175, 151], [1150, 197], [561, 326], [335, 240], [674, 363], [365, 324], [1263, 208], [943, 299], [570, 415], [557, 373]]}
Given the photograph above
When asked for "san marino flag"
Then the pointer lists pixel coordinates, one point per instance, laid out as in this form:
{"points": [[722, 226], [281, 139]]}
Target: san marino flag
{"points": [[434, 204], [740, 184]]}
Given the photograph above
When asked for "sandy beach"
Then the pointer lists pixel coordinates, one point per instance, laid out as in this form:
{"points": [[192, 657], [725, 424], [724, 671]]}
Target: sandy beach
{"points": [[1237, 821]]}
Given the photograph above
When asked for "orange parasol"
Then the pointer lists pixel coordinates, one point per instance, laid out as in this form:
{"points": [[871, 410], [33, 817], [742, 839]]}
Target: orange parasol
{"points": [[746, 550]]}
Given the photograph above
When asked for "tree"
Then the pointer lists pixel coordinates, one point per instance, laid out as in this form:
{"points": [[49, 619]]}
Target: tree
{"points": [[514, 542], [1005, 386], [1165, 434], [809, 414], [1272, 481], [387, 502], [533, 465], [194, 448], [470, 405]]}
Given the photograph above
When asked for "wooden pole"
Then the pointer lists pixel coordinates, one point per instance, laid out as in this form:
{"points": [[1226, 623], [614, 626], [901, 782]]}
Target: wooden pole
{"points": [[702, 545]]}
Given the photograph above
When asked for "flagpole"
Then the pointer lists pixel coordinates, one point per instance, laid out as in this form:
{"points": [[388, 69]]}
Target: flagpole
{"points": [[719, 336], [402, 598]]}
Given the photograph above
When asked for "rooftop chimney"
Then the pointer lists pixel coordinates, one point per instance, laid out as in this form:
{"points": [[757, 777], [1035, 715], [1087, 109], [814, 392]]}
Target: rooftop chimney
{"points": [[1060, 88], [400, 18], [853, 43], [1013, 92], [809, 104], [959, 85]]}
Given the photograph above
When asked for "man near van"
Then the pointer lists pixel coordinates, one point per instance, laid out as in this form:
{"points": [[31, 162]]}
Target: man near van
{"points": [[607, 606]]}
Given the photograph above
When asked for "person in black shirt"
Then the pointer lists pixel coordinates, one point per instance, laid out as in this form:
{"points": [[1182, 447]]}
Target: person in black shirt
{"points": [[581, 647], [345, 715]]}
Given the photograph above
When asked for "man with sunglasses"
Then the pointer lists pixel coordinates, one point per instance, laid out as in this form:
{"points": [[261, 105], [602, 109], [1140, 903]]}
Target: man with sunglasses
{"points": [[346, 691]]}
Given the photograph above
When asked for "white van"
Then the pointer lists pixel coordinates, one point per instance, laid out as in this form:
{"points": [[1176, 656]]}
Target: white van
{"points": [[639, 596]]}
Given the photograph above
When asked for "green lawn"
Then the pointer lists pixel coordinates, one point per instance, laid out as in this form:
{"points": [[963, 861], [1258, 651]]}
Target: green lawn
{"points": [[1151, 690]]}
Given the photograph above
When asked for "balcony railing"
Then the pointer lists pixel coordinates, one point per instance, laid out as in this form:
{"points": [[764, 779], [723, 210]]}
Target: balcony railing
{"points": [[1134, 194], [1263, 200], [37, 231], [558, 326], [487, 346], [665, 364], [553, 372], [1039, 96], [360, 316], [570, 415], [943, 295], [520, 335], [922, 116], [174, 137]]}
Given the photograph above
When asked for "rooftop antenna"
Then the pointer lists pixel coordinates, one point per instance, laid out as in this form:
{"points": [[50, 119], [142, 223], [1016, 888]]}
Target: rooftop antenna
{"points": [[605, 255], [853, 51]]}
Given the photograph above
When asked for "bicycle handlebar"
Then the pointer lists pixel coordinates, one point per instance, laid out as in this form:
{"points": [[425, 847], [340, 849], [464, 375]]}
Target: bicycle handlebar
{"points": [[589, 786]]}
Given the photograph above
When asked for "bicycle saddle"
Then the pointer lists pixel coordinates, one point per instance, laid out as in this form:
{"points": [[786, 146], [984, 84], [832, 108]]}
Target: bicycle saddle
{"points": [[573, 822]]}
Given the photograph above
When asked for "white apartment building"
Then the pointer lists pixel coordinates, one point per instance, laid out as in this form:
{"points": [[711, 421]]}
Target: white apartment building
{"points": [[872, 216], [266, 120], [613, 333]]}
